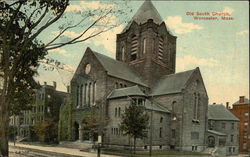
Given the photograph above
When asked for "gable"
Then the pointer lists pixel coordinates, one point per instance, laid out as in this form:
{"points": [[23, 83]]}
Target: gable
{"points": [[88, 58], [192, 81]]}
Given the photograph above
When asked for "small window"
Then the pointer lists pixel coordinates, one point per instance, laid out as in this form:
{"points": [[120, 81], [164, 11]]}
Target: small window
{"points": [[173, 133], [115, 112], [116, 85], [232, 138], [161, 120], [121, 85], [133, 57], [134, 101], [246, 115], [223, 125], [140, 101], [232, 126], [160, 134]]}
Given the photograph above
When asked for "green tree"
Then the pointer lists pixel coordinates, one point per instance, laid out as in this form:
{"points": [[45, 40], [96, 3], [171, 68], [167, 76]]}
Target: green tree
{"points": [[134, 122], [21, 24], [91, 124], [46, 131]]}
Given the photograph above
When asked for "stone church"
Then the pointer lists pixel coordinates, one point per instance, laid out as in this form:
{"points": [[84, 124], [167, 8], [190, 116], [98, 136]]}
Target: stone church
{"points": [[142, 73]]}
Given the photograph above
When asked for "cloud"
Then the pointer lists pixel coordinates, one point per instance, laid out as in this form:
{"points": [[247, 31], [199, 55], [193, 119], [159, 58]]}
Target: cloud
{"points": [[89, 5], [60, 51], [175, 23], [107, 39], [73, 8], [189, 61], [94, 5], [244, 32], [228, 10]]}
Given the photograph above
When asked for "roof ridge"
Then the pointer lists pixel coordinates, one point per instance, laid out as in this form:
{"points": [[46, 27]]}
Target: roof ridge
{"points": [[127, 87]]}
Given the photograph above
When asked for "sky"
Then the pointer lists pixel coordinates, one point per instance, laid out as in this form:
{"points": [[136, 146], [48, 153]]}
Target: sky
{"points": [[219, 47]]}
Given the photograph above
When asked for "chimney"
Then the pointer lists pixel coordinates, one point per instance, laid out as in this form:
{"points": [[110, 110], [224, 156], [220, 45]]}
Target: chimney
{"points": [[214, 103], [54, 84], [242, 99], [45, 83], [227, 104]]}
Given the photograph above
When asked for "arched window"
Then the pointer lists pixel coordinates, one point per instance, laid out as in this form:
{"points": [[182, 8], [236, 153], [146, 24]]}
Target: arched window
{"points": [[85, 94], [134, 45], [90, 94], [94, 92], [119, 112], [123, 53], [80, 96], [196, 106], [194, 109], [144, 46], [77, 95], [115, 112], [174, 110]]}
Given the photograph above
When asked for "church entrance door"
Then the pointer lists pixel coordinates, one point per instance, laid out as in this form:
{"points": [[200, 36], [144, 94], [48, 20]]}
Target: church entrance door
{"points": [[76, 131], [211, 141]]}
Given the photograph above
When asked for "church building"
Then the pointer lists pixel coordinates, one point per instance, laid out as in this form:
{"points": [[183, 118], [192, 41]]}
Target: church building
{"points": [[143, 72]]}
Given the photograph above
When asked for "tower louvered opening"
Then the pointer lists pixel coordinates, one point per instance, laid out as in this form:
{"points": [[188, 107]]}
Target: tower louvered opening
{"points": [[160, 50], [134, 46]]}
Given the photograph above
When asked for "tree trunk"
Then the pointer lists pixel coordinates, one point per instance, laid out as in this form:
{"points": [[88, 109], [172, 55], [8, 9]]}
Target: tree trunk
{"points": [[134, 144], [4, 123]]}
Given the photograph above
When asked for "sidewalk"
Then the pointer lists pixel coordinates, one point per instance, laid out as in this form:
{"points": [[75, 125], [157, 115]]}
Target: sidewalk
{"points": [[69, 151]]}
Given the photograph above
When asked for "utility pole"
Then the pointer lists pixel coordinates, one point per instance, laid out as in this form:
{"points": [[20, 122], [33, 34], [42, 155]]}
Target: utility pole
{"points": [[151, 129]]}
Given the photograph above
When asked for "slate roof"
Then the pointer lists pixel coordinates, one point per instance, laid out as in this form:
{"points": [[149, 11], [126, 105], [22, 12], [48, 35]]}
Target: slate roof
{"points": [[173, 83], [216, 133], [246, 101], [124, 92], [144, 13], [155, 107], [219, 112], [118, 69]]}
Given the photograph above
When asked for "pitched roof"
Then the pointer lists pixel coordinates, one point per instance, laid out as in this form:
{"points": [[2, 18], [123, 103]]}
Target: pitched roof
{"points": [[216, 133], [144, 13], [246, 101], [219, 112], [118, 69], [155, 107], [173, 83], [124, 92]]}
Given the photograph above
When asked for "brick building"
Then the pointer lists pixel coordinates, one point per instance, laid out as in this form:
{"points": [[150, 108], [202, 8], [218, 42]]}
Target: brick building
{"points": [[241, 109], [46, 107], [143, 72]]}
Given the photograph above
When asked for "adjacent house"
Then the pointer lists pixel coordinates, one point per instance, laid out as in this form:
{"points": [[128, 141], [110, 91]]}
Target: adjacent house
{"points": [[223, 130]]}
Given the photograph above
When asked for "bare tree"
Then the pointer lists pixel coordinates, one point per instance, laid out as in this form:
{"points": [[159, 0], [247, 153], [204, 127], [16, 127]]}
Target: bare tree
{"points": [[21, 24]]}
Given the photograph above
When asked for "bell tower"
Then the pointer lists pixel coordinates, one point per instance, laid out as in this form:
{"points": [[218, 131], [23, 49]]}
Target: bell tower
{"points": [[147, 45]]}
